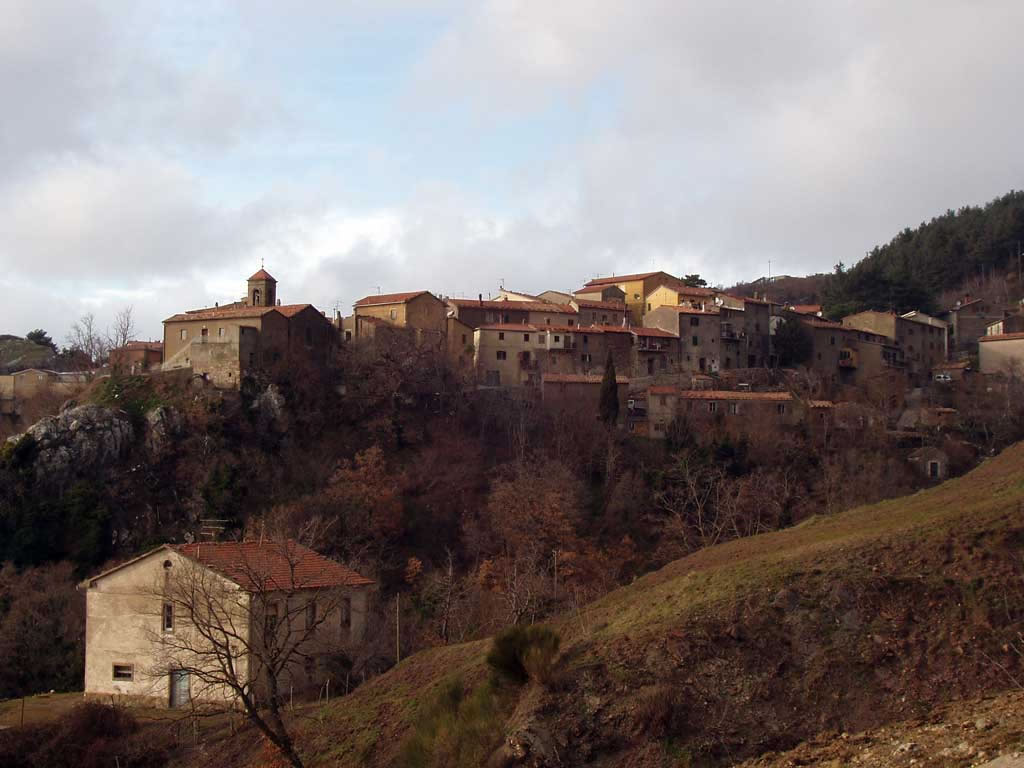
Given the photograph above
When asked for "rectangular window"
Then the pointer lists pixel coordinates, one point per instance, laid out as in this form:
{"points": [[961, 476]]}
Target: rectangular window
{"points": [[220, 332], [694, 321], [125, 672], [501, 354], [184, 334], [585, 358], [394, 314], [501, 335], [734, 408], [780, 408], [270, 622], [346, 614], [310, 614], [204, 332], [168, 620], [696, 341], [557, 339], [526, 337], [463, 338], [712, 406]]}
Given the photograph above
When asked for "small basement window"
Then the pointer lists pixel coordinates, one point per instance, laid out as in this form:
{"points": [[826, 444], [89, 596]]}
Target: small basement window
{"points": [[124, 672]]}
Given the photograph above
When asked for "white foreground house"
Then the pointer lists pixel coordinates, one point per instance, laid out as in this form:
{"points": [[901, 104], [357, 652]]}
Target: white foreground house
{"points": [[209, 622]]}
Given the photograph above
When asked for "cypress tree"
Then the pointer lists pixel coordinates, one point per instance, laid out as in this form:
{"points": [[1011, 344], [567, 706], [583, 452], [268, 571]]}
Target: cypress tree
{"points": [[609, 403]]}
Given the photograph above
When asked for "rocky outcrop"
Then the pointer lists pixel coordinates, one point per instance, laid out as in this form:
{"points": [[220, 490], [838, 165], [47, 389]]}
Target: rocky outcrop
{"points": [[78, 440], [163, 425]]}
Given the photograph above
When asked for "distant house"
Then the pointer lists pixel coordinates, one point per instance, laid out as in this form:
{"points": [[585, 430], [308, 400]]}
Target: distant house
{"points": [[137, 356], [921, 339], [580, 393], [729, 410], [138, 618], [967, 320], [931, 462], [419, 311], [224, 342], [1001, 353], [635, 289]]}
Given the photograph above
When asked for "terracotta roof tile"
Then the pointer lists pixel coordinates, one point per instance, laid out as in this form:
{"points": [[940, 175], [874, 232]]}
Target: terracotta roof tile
{"points": [[1002, 337], [728, 394], [263, 275], [614, 279], [272, 565], [578, 378], [219, 313], [518, 306], [388, 298], [616, 306], [514, 327]]}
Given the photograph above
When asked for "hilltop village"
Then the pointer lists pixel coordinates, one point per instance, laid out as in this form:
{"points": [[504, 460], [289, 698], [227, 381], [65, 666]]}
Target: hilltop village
{"points": [[679, 349]]}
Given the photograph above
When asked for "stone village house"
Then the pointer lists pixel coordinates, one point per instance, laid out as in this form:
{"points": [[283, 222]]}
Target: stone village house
{"points": [[140, 642]]}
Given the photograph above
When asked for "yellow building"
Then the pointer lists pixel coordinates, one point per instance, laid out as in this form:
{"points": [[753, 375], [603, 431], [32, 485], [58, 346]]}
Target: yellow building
{"points": [[635, 288], [420, 310]]}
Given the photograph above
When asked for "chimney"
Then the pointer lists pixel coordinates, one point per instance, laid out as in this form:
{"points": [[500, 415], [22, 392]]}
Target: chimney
{"points": [[480, 298], [279, 302]]}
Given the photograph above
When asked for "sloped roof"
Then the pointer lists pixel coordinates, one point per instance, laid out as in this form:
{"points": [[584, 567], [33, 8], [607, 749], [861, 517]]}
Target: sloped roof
{"points": [[263, 275], [388, 298], [517, 306], [216, 313], [514, 327], [234, 311], [684, 310], [578, 378], [153, 346], [806, 309], [257, 565], [1002, 337], [728, 394], [616, 306], [616, 279]]}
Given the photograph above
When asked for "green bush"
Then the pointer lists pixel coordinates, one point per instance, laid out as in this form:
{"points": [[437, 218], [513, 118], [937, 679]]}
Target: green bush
{"points": [[524, 653], [455, 730]]}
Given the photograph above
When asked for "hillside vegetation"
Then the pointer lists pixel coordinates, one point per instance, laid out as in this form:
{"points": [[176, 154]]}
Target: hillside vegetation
{"points": [[913, 269], [840, 624], [17, 353]]}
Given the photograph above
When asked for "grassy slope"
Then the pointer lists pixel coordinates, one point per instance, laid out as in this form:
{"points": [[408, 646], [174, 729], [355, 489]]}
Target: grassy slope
{"points": [[368, 726], [23, 353]]}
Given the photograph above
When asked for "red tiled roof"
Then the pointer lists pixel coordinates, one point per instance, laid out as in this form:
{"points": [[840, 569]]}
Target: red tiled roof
{"points": [[695, 290], [257, 565], [263, 275], [578, 378], [388, 298], [728, 394], [521, 327], [654, 332], [663, 389], [235, 311], [806, 309], [219, 313], [614, 279], [519, 306], [818, 322], [290, 310], [691, 311], [955, 365], [1002, 337], [821, 403], [617, 306]]}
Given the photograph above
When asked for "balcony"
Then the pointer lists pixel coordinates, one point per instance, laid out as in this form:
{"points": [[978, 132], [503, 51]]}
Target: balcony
{"points": [[652, 347], [728, 334]]}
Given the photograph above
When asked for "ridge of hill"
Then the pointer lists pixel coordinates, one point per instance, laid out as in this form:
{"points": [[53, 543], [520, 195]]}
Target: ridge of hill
{"points": [[841, 624], [17, 353]]}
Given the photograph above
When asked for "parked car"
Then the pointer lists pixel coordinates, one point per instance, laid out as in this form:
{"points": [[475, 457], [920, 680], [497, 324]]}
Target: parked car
{"points": [[943, 378]]}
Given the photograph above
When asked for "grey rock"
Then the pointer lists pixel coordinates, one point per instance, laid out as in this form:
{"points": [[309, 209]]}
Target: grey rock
{"points": [[78, 440], [163, 425]]}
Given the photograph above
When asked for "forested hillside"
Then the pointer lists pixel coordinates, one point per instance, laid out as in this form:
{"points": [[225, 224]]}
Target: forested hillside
{"points": [[916, 267]]}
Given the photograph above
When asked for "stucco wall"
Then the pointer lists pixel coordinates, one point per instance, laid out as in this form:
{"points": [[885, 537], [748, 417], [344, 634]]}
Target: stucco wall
{"points": [[999, 355]]}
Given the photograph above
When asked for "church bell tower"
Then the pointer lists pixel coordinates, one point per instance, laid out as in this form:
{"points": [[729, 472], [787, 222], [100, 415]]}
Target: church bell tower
{"points": [[262, 290]]}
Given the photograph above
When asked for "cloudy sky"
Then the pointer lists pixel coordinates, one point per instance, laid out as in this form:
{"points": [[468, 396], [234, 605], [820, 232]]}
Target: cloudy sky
{"points": [[152, 154]]}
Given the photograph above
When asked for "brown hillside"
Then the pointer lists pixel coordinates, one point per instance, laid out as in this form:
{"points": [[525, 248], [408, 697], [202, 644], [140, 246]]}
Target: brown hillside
{"points": [[838, 625]]}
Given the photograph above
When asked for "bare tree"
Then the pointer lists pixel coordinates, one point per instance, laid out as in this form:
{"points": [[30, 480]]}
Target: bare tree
{"points": [[124, 328], [242, 633], [86, 338]]}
